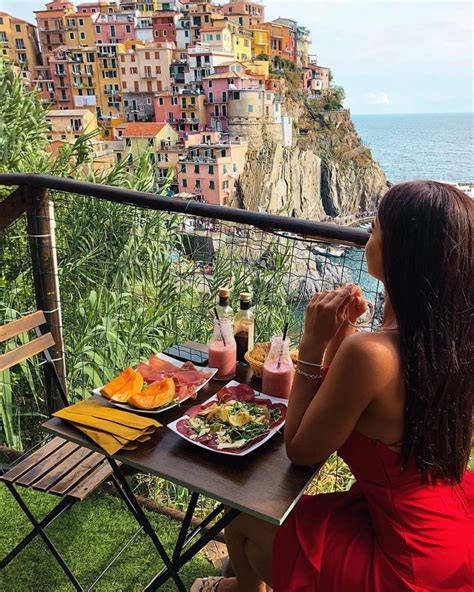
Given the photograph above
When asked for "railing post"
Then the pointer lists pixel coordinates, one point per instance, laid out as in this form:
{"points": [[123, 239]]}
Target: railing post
{"points": [[41, 237]]}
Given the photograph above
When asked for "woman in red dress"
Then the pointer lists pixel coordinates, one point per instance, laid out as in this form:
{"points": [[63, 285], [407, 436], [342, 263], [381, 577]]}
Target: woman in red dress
{"points": [[397, 405]]}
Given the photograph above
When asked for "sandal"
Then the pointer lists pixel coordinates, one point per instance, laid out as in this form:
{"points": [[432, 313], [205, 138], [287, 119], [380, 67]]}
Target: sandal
{"points": [[206, 584]]}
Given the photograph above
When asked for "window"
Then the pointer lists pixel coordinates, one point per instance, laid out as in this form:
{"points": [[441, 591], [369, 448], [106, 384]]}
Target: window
{"points": [[124, 84], [211, 97], [161, 101], [250, 108], [157, 55], [165, 34], [147, 55], [124, 70], [216, 110], [234, 167], [20, 44], [1, 20], [198, 184], [82, 35], [174, 101], [128, 28], [128, 142], [210, 83], [224, 97], [225, 184], [212, 184], [185, 182], [225, 169], [183, 168], [133, 70], [196, 169], [148, 101], [157, 69], [72, 36], [3, 37], [81, 22], [18, 28], [211, 169], [97, 29], [150, 141]]}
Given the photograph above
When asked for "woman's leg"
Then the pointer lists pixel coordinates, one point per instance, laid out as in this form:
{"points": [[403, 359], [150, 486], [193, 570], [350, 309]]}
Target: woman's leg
{"points": [[250, 544]]}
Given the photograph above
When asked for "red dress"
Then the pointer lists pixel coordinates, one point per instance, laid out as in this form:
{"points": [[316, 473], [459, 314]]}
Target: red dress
{"points": [[389, 533]]}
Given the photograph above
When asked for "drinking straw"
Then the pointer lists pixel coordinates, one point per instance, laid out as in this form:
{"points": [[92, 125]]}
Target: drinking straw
{"points": [[285, 331], [220, 326]]}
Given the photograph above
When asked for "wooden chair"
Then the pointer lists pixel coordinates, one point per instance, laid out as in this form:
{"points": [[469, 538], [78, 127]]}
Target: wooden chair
{"points": [[55, 466]]}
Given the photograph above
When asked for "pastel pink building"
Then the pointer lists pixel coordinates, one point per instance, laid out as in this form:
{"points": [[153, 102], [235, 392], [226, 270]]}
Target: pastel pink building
{"points": [[211, 167], [218, 89], [164, 26], [315, 79], [113, 28], [184, 111]]}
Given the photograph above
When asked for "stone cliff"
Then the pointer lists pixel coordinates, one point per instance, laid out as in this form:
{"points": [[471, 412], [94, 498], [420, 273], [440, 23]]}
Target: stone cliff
{"points": [[325, 172]]}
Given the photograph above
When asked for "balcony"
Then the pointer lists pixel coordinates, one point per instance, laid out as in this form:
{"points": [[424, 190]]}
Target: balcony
{"points": [[113, 300]]}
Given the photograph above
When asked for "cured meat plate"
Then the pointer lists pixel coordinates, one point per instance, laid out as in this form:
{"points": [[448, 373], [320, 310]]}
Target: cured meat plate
{"points": [[218, 406], [188, 378]]}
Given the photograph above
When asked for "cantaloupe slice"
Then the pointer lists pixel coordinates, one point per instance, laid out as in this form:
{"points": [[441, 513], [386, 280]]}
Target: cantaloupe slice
{"points": [[125, 384], [156, 395]]}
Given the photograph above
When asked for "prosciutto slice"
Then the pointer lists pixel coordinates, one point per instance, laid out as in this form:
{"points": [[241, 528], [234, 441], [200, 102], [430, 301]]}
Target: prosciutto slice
{"points": [[187, 378], [241, 392]]}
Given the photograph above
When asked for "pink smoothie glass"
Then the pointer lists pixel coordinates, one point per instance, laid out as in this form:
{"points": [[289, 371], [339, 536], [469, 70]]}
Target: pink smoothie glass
{"points": [[278, 370], [223, 350]]}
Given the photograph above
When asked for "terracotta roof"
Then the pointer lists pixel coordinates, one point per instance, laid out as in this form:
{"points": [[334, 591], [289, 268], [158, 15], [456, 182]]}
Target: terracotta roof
{"points": [[143, 130], [218, 27]]}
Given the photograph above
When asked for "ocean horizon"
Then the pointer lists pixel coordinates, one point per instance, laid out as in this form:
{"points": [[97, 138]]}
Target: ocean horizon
{"points": [[408, 146]]}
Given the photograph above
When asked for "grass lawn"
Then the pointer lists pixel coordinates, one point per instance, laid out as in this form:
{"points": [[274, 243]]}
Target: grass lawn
{"points": [[86, 536]]}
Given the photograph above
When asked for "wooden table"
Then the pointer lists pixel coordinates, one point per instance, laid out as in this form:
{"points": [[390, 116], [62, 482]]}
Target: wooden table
{"points": [[264, 484]]}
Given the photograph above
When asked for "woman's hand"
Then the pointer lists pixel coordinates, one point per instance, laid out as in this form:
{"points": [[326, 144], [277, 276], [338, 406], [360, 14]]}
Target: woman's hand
{"points": [[325, 315], [358, 306]]}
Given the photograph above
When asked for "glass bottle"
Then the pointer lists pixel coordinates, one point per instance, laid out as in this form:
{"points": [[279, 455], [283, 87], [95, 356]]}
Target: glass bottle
{"points": [[244, 326], [278, 369], [223, 350], [224, 309]]}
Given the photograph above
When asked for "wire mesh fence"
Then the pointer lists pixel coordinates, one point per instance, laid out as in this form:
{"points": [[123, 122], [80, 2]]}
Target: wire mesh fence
{"points": [[135, 281]]}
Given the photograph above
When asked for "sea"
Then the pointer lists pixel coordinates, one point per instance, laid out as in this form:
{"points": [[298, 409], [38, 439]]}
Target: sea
{"points": [[413, 146], [437, 146]]}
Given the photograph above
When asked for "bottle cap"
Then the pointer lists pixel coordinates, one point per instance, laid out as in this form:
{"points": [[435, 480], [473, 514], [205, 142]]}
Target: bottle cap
{"points": [[224, 292], [245, 297]]}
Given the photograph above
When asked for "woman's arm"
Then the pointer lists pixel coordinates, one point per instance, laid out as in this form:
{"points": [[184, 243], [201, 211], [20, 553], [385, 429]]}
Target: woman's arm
{"points": [[320, 424]]}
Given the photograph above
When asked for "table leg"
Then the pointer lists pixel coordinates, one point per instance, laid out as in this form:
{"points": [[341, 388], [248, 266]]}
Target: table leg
{"points": [[140, 516], [181, 558]]}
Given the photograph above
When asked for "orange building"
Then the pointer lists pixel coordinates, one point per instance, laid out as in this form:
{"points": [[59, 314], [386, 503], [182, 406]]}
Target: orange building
{"points": [[280, 40], [51, 25]]}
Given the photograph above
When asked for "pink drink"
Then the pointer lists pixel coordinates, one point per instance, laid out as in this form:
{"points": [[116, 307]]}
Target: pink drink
{"points": [[277, 381], [224, 358]]}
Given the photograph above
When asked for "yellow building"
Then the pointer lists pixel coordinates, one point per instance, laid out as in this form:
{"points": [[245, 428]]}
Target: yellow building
{"points": [[67, 124], [260, 41], [79, 29], [145, 7], [158, 139], [19, 43], [110, 91], [241, 42], [260, 67], [218, 37]]}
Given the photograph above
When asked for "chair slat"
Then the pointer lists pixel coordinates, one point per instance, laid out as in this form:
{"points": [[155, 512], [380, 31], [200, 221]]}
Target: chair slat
{"points": [[31, 460], [43, 467], [19, 326], [92, 481], [68, 464], [73, 478], [23, 352]]}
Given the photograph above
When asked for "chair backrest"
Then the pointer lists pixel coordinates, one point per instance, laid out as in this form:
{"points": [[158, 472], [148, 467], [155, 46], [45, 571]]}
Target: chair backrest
{"points": [[27, 350]]}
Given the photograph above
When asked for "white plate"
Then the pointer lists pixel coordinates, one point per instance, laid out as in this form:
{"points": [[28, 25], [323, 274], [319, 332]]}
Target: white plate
{"points": [[172, 426], [178, 364]]}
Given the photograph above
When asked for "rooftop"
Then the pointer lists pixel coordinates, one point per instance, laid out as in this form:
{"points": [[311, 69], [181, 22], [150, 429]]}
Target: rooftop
{"points": [[67, 112], [142, 130]]}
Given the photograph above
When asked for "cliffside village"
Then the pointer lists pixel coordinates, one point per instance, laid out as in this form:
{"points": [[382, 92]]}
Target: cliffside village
{"points": [[189, 82]]}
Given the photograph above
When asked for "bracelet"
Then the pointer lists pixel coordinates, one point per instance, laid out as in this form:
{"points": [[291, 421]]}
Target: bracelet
{"points": [[310, 376], [309, 364]]}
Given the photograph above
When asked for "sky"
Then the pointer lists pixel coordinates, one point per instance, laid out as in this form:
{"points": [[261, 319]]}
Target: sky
{"points": [[391, 56]]}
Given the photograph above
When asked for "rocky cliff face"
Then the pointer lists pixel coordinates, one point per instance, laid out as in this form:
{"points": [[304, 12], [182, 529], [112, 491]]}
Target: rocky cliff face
{"points": [[327, 171]]}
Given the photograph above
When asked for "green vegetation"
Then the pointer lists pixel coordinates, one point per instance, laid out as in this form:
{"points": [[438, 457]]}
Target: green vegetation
{"points": [[87, 536]]}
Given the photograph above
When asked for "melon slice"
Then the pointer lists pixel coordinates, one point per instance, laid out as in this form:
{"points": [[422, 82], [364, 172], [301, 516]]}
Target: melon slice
{"points": [[156, 395]]}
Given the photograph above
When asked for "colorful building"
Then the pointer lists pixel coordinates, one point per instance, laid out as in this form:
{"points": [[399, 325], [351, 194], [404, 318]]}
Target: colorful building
{"points": [[280, 40], [200, 15], [260, 41], [218, 37], [79, 29], [290, 29], [185, 111], [160, 140], [183, 32], [113, 28], [245, 13], [211, 167], [315, 79], [222, 87], [51, 26], [144, 71], [303, 45], [19, 44], [164, 26], [202, 62], [68, 124]]}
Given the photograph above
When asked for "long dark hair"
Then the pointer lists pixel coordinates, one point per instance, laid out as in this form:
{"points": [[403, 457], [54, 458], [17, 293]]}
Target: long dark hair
{"points": [[427, 251]]}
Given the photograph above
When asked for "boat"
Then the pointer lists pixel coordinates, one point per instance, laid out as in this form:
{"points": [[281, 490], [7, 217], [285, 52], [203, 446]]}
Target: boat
{"points": [[330, 251]]}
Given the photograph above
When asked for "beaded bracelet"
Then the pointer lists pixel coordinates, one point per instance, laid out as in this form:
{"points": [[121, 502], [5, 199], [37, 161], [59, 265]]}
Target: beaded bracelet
{"points": [[310, 376]]}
